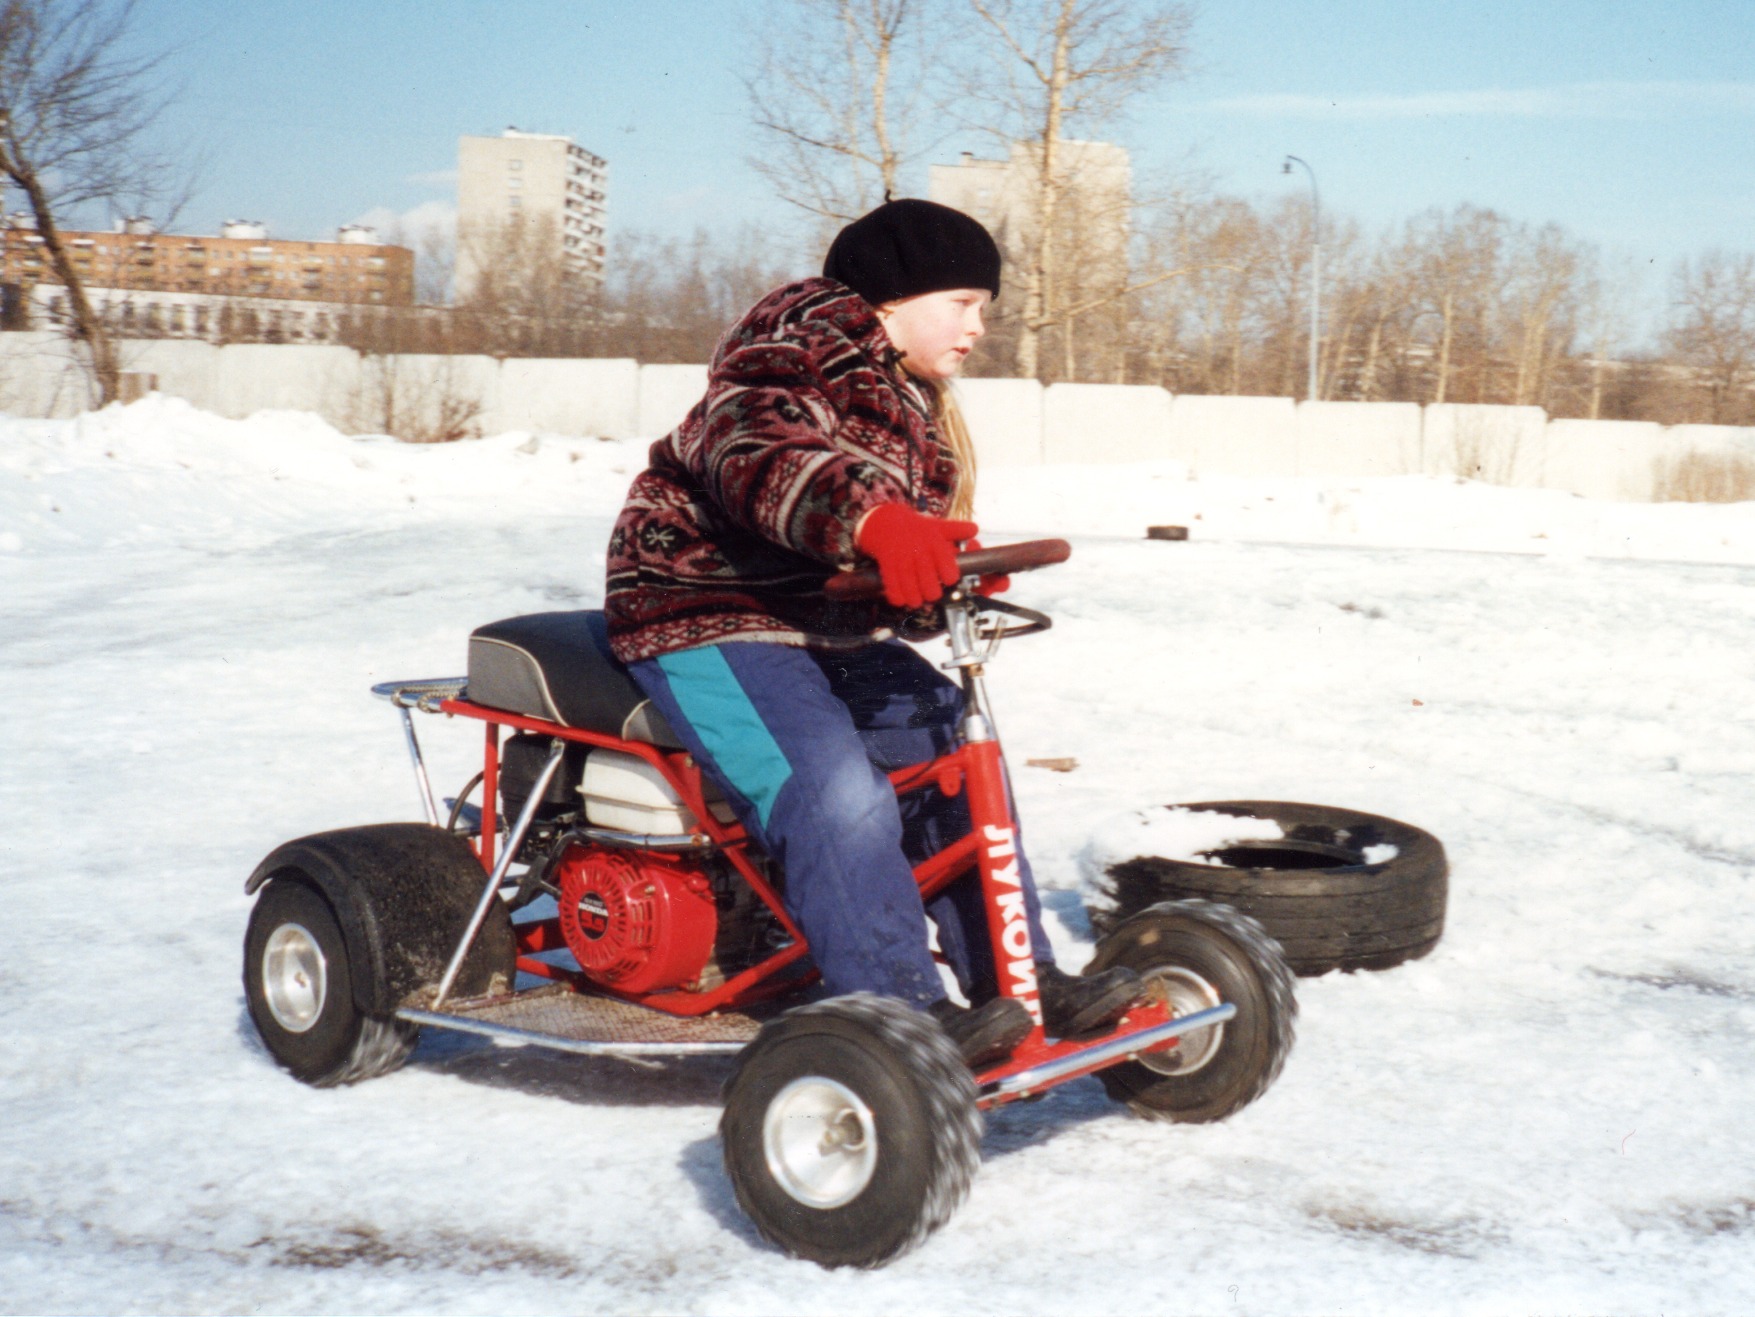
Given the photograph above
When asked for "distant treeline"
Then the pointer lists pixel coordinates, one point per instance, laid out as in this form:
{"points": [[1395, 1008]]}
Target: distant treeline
{"points": [[1464, 305]]}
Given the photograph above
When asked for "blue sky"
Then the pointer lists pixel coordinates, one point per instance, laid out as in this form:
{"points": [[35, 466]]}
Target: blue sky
{"points": [[1629, 123]]}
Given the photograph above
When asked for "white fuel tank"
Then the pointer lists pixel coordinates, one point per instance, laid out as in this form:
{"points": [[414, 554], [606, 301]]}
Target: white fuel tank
{"points": [[625, 792]]}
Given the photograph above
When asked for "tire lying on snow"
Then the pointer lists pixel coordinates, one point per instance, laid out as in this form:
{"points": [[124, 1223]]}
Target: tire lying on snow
{"points": [[1340, 889]]}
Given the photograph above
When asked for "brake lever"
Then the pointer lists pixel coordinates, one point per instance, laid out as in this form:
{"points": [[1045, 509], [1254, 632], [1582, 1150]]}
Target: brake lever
{"points": [[974, 630], [1034, 622]]}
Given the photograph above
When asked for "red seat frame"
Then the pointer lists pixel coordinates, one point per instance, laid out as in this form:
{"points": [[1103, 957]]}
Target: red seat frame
{"points": [[990, 846]]}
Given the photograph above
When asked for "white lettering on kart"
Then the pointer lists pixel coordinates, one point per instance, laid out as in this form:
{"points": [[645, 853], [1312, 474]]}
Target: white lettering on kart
{"points": [[1019, 974]]}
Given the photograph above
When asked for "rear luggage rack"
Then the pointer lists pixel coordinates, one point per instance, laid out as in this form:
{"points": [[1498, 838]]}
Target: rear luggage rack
{"points": [[426, 696]]}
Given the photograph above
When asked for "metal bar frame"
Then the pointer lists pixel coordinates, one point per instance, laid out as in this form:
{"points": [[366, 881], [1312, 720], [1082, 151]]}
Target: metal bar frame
{"points": [[1075, 1060], [425, 695], [975, 765], [491, 890], [511, 1035]]}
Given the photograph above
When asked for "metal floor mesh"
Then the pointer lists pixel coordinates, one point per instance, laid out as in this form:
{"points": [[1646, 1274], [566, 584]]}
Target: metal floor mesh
{"points": [[558, 1011]]}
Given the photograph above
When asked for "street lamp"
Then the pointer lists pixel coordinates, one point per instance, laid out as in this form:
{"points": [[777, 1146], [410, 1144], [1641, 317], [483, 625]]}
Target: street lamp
{"points": [[1315, 265]]}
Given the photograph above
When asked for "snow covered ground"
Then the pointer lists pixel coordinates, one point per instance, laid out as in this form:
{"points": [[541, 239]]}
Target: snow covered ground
{"points": [[1551, 1114]]}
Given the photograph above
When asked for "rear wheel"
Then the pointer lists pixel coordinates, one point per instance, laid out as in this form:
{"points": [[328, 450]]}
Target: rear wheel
{"points": [[299, 985], [850, 1130], [1195, 955]]}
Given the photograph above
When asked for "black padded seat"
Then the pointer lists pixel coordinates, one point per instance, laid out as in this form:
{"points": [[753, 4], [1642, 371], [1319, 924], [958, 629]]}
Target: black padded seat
{"points": [[558, 666]]}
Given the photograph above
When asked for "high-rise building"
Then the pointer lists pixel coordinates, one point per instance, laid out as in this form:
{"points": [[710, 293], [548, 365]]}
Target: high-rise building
{"points": [[520, 188], [1095, 182], [1080, 275]]}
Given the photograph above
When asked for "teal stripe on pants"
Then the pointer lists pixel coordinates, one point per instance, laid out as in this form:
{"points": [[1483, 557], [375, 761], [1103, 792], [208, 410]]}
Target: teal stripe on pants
{"points": [[709, 695]]}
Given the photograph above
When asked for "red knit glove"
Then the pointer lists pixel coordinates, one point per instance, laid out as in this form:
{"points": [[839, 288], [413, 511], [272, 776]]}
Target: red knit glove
{"points": [[991, 584], [915, 554]]}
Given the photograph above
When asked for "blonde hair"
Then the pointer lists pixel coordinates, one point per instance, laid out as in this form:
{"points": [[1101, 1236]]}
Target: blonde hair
{"points": [[956, 434], [951, 425]]}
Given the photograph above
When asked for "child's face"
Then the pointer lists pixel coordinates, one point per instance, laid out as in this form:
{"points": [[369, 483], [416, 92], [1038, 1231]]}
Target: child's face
{"points": [[934, 332]]}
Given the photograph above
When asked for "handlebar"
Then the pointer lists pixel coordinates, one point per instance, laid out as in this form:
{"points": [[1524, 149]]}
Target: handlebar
{"points": [[999, 560]]}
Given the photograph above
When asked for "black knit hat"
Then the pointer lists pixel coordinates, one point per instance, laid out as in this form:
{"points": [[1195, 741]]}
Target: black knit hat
{"points": [[908, 247]]}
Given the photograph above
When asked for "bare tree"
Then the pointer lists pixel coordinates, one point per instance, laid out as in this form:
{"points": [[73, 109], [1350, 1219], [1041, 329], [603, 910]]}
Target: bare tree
{"points": [[1545, 273], [1609, 298], [434, 244], [1453, 261], [1210, 315], [1287, 230], [1381, 365], [520, 294], [1065, 66], [417, 399], [1204, 327], [435, 260], [76, 109], [670, 300], [836, 94], [1712, 333]]}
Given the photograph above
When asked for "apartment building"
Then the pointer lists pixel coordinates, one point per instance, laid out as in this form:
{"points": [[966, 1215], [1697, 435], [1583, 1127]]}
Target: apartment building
{"points": [[1095, 182], [186, 284], [528, 186]]}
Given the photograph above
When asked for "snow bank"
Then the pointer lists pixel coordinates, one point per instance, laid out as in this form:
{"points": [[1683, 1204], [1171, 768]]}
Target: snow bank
{"points": [[190, 472], [161, 471]]}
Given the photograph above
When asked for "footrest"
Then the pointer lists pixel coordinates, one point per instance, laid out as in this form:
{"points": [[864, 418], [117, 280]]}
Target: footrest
{"points": [[555, 1016]]}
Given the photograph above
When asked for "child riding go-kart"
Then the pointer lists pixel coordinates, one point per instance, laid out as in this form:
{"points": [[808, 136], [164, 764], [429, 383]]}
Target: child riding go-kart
{"points": [[601, 871]]}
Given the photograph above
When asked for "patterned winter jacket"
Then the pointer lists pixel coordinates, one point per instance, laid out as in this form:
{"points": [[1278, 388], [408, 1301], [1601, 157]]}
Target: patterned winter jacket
{"points": [[808, 422]]}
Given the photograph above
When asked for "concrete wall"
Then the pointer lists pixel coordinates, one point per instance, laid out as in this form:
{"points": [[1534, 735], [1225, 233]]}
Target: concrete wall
{"points": [[1350, 439], [1706, 461], [1105, 423], [426, 398], [1713, 440], [1005, 420], [1224, 436], [666, 395], [1496, 445], [39, 376], [1014, 422], [253, 377], [1600, 459], [185, 368], [567, 397]]}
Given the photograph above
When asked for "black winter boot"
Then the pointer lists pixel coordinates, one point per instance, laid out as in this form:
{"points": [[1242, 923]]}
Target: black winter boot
{"points": [[983, 1034], [1079, 1004]]}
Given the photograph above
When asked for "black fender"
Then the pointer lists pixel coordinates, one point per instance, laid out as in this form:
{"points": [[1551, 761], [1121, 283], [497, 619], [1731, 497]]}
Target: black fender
{"points": [[403, 894]]}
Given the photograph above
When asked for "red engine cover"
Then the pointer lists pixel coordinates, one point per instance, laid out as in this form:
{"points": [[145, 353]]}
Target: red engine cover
{"points": [[636, 922]]}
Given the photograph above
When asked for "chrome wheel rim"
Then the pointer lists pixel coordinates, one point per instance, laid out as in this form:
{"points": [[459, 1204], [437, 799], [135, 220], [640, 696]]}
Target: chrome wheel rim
{"points": [[1185, 992], [820, 1142], [295, 977]]}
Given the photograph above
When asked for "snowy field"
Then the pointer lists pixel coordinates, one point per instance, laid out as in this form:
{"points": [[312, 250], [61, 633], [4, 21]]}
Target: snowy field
{"points": [[1552, 1114]]}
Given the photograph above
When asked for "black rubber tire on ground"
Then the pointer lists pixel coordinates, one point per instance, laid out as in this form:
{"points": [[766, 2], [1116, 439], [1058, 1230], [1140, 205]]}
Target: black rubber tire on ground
{"points": [[850, 1130], [299, 985], [1199, 954], [1312, 891]]}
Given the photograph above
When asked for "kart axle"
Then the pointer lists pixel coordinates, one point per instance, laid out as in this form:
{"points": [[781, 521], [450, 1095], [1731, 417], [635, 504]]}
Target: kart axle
{"points": [[1095, 1058]]}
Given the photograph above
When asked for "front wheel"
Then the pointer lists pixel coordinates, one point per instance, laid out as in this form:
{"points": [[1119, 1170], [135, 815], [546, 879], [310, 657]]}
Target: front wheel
{"points": [[1195, 955], [300, 989], [850, 1130]]}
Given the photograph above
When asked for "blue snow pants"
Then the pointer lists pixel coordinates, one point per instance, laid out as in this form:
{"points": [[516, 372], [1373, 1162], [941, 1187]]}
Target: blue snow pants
{"points": [[799, 742]]}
